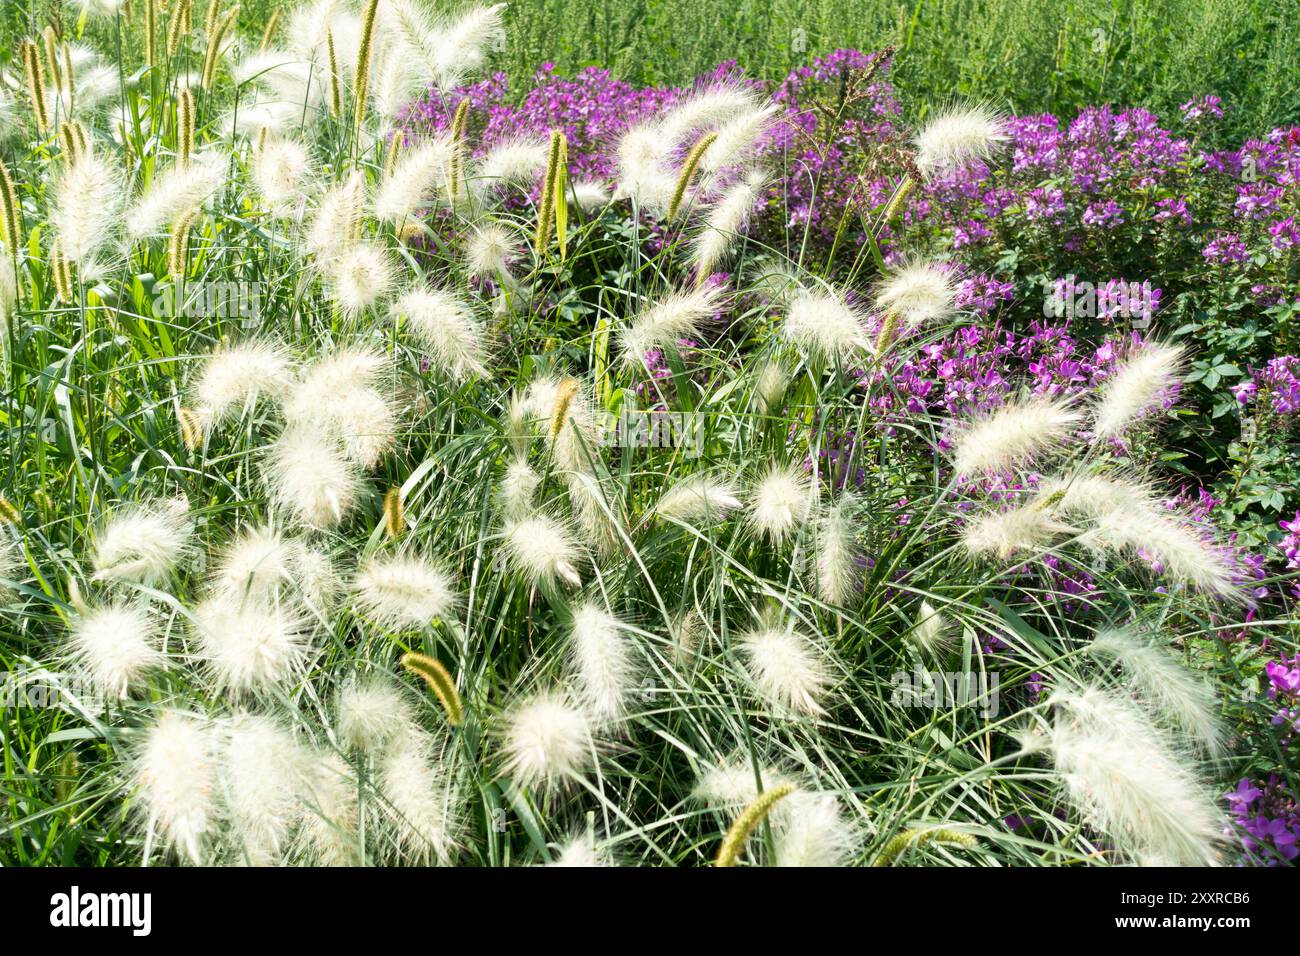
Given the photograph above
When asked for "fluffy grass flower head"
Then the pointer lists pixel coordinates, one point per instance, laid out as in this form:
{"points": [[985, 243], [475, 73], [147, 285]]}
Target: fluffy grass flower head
{"points": [[548, 741]]}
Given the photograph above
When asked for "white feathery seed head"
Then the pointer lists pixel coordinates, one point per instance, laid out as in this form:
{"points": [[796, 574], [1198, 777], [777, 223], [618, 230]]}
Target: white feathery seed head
{"points": [[716, 105], [918, 292], [257, 566], [176, 771], [143, 544], [404, 591], [263, 770], [173, 194], [548, 741], [589, 195], [371, 711], [337, 398], [330, 815], [931, 633], [811, 829], [421, 799], [699, 500], [738, 138], [724, 222], [249, 647], [1138, 386], [769, 389], [489, 250], [543, 550], [1013, 435], [517, 489], [1174, 691], [780, 502], [447, 329], [116, 645], [413, 185], [676, 316], [603, 662], [955, 137], [514, 162], [1174, 546], [280, 169], [337, 221], [1003, 534], [732, 784], [644, 174], [582, 851], [826, 325], [358, 277], [311, 479], [837, 552], [1129, 783], [787, 669], [86, 214], [234, 376], [1093, 496]]}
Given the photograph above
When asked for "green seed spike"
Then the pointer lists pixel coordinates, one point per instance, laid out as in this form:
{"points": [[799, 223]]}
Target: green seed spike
{"points": [[920, 837], [440, 682], [754, 814], [688, 171]]}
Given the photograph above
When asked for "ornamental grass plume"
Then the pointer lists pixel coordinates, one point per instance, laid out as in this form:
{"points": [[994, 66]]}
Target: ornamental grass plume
{"points": [[447, 329], [733, 843], [514, 162], [331, 815], [1174, 692], [415, 180], [548, 741], [280, 170], [780, 502], [518, 486], [723, 224], [825, 325], [931, 633], [176, 772], [439, 680], [249, 647], [86, 215], [421, 799], [787, 669], [261, 565], [698, 500], [404, 591], [1004, 534], [1174, 547], [737, 138], [543, 549], [489, 250], [603, 661], [310, 478], [956, 137], [336, 224], [116, 645], [235, 376], [582, 851], [1138, 386], [262, 772], [643, 171], [678, 315], [1130, 783], [813, 830], [369, 712], [358, 277], [175, 193], [1012, 436], [918, 292], [143, 544], [837, 552], [338, 400]]}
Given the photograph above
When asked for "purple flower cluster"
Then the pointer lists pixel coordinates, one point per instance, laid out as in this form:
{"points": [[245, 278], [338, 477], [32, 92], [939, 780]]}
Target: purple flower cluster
{"points": [[1279, 383], [1284, 690], [1269, 820]]}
